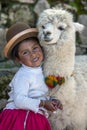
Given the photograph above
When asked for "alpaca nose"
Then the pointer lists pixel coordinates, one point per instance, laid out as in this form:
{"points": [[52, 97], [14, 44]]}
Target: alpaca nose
{"points": [[47, 33]]}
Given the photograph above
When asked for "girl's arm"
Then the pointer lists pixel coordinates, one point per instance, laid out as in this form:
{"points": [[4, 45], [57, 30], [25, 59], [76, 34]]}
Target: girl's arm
{"points": [[20, 95]]}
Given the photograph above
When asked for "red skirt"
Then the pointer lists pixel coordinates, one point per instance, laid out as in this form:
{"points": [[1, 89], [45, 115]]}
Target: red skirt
{"points": [[23, 120]]}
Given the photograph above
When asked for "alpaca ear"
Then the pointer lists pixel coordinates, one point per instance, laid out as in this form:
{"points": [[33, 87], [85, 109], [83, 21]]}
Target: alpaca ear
{"points": [[78, 27]]}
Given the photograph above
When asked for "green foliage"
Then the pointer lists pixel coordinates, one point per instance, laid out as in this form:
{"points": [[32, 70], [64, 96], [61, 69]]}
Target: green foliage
{"points": [[79, 6], [4, 88], [76, 3]]}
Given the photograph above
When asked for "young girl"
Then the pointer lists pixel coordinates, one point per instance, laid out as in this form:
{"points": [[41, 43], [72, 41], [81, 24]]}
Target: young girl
{"points": [[27, 105]]}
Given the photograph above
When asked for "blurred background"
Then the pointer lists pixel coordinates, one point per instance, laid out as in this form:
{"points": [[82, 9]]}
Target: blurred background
{"points": [[27, 11]]}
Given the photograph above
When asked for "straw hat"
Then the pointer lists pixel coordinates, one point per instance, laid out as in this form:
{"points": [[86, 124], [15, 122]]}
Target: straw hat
{"points": [[16, 34]]}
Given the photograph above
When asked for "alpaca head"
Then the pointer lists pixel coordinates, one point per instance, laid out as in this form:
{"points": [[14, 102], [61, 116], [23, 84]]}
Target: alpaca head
{"points": [[52, 25], [55, 26]]}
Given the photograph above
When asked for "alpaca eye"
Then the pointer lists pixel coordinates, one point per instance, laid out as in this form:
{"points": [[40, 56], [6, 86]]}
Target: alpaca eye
{"points": [[61, 28], [43, 26]]}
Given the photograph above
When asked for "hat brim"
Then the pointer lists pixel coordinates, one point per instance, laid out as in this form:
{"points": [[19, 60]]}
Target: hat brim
{"points": [[18, 38]]}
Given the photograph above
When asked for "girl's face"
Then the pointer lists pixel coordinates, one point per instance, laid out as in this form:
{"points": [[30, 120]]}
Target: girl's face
{"points": [[30, 53]]}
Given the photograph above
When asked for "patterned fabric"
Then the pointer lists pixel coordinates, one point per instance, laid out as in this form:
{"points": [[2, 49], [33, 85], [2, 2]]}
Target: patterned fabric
{"points": [[52, 81]]}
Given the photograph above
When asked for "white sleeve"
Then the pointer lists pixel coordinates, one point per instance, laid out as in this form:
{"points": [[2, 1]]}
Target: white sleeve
{"points": [[21, 99]]}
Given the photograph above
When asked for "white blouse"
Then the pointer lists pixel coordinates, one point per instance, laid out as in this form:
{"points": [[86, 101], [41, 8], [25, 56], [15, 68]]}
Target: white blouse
{"points": [[27, 89]]}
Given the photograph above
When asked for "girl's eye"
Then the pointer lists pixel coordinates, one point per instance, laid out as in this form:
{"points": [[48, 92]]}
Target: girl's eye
{"points": [[36, 49], [25, 52]]}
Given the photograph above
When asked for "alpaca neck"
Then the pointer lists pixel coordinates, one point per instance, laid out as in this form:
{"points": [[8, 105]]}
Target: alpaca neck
{"points": [[59, 59]]}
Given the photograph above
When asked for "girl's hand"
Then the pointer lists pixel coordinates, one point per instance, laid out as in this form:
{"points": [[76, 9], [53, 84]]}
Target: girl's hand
{"points": [[50, 105], [58, 104]]}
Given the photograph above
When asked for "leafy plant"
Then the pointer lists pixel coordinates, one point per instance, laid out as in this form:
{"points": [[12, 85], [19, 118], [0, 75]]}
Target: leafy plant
{"points": [[4, 88]]}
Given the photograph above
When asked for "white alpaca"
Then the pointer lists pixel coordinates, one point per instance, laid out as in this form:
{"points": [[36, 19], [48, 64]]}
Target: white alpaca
{"points": [[57, 36]]}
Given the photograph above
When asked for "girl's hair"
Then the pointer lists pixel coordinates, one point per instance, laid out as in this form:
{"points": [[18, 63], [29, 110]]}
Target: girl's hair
{"points": [[14, 52]]}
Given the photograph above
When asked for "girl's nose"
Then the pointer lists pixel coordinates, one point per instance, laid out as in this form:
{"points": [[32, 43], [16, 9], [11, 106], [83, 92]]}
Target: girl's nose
{"points": [[32, 54]]}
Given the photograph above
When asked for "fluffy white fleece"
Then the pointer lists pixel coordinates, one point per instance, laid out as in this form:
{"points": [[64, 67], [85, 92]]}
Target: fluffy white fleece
{"points": [[57, 36]]}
